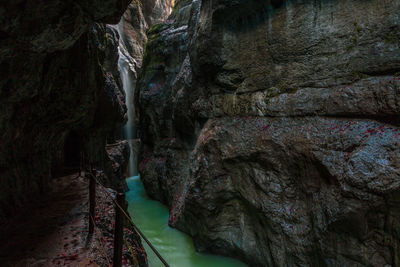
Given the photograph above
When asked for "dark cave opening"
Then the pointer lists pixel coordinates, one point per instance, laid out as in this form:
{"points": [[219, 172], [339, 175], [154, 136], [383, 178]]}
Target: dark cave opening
{"points": [[72, 151], [68, 159]]}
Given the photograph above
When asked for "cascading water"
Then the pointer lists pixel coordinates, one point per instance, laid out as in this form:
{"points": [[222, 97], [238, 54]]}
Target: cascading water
{"points": [[149, 215], [125, 63]]}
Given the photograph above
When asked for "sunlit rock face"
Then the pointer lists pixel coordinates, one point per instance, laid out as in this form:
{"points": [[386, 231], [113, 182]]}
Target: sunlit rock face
{"points": [[132, 31], [270, 129], [137, 19], [58, 95]]}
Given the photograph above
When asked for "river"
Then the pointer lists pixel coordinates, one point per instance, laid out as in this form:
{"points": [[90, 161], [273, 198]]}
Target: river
{"points": [[176, 247]]}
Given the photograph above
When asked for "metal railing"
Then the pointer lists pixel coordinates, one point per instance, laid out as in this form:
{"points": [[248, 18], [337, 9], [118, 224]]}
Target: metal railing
{"points": [[120, 213]]}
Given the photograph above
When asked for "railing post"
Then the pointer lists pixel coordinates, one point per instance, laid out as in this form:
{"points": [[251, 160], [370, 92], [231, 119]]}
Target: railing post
{"points": [[92, 199], [118, 232], [81, 164]]}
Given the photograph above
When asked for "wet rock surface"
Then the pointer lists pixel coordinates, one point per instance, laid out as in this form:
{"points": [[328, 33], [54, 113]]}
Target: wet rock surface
{"points": [[271, 131], [118, 154], [133, 28]]}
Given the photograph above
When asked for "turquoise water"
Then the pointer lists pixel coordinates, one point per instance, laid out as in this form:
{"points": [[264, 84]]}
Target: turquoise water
{"points": [[176, 247]]}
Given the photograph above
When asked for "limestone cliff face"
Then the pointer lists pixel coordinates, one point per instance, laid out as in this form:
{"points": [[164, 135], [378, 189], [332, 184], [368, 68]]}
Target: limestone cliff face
{"points": [[270, 129], [132, 29], [58, 95]]}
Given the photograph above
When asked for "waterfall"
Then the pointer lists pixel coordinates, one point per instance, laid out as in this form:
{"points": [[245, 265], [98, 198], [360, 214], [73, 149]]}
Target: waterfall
{"points": [[125, 64]]}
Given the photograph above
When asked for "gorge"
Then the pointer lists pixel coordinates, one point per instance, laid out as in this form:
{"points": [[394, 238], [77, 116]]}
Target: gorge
{"points": [[269, 129]]}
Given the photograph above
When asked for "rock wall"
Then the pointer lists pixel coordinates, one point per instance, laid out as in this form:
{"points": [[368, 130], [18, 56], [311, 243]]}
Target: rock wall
{"points": [[58, 95], [136, 21], [271, 129], [133, 27]]}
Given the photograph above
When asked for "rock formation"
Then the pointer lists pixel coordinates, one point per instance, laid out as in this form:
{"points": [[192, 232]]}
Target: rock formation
{"points": [[58, 97], [133, 27], [61, 102], [271, 129]]}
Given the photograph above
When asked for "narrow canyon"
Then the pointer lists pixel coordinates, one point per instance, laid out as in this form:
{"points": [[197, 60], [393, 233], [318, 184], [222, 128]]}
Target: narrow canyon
{"points": [[191, 133]]}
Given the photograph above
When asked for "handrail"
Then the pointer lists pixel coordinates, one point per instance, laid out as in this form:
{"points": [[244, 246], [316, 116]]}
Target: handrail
{"points": [[132, 223]]}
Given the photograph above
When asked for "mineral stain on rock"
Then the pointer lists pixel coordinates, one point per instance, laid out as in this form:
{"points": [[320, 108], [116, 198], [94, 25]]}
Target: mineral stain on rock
{"points": [[269, 128], [284, 121]]}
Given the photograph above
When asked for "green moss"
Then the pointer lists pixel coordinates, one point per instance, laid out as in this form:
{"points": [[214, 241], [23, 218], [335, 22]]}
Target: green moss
{"points": [[283, 87], [271, 92], [336, 78], [154, 48], [153, 58], [350, 47], [359, 75], [354, 43], [157, 29], [390, 39], [138, 2], [358, 27]]}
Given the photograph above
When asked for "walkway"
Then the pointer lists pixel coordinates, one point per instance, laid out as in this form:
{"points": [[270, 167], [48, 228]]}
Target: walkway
{"points": [[52, 231]]}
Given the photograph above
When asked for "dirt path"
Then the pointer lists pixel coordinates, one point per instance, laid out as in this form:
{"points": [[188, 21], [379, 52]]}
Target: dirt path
{"points": [[53, 230]]}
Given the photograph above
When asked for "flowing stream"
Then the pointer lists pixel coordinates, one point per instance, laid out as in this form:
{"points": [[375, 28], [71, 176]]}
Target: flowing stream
{"points": [[151, 216], [176, 247]]}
